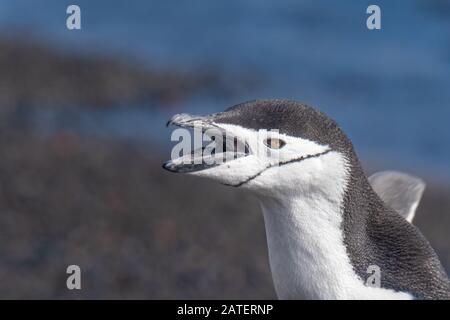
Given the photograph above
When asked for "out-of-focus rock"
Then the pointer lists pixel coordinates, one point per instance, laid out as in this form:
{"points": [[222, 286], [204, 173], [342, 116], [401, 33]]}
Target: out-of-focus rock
{"points": [[32, 74]]}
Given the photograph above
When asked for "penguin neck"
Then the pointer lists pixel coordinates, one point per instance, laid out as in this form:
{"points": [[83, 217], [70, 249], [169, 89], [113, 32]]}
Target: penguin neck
{"points": [[306, 240], [306, 248], [307, 254]]}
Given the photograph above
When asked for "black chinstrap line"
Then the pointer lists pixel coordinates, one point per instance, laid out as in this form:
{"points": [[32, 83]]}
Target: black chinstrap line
{"points": [[279, 165]]}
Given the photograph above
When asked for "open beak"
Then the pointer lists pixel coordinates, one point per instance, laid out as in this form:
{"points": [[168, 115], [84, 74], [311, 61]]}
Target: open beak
{"points": [[222, 146]]}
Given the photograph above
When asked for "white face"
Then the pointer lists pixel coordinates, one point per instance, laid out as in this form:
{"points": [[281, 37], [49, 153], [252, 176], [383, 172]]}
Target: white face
{"points": [[275, 163]]}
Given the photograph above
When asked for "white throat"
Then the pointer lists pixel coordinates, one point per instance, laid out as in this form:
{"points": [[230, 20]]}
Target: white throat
{"points": [[307, 257], [307, 254]]}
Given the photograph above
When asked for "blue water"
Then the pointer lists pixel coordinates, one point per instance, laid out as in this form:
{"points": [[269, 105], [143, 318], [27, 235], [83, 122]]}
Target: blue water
{"points": [[389, 89]]}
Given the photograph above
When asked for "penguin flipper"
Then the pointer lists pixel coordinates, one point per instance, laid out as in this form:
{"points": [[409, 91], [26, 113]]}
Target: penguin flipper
{"points": [[400, 191]]}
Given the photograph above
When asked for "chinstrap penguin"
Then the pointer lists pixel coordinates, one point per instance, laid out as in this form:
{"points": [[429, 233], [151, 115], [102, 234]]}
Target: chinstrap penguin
{"points": [[326, 223]]}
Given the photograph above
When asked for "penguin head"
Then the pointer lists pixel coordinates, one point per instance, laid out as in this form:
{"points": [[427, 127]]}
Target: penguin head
{"points": [[269, 146]]}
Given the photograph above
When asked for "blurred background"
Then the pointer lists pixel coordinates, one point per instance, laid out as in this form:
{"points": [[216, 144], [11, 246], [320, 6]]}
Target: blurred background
{"points": [[82, 132]]}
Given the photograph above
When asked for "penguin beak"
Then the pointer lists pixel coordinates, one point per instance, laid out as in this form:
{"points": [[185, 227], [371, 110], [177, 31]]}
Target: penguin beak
{"points": [[185, 120], [226, 147]]}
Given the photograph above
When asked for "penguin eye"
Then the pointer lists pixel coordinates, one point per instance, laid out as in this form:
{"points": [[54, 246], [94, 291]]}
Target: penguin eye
{"points": [[274, 143]]}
